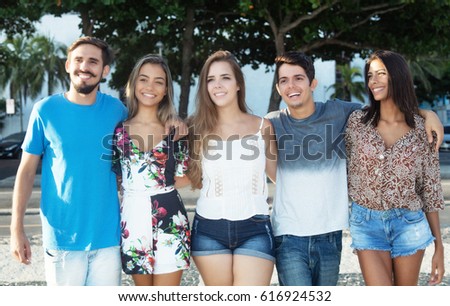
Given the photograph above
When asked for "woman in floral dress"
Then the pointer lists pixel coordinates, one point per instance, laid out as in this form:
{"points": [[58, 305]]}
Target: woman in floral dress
{"points": [[155, 245]]}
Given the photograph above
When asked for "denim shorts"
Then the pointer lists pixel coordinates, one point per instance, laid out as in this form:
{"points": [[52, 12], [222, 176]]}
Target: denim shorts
{"points": [[400, 231], [251, 237]]}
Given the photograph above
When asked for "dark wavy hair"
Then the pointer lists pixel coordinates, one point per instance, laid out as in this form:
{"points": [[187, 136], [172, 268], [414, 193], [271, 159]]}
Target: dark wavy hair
{"points": [[299, 59], [401, 87]]}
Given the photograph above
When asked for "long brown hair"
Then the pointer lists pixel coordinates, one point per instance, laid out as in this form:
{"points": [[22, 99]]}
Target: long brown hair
{"points": [[166, 109], [205, 118], [401, 87]]}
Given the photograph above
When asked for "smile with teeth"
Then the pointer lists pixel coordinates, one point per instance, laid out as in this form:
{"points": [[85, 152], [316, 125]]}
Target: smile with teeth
{"points": [[295, 94], [85, 76], [149, 95], [376, 90], [219, 94]]}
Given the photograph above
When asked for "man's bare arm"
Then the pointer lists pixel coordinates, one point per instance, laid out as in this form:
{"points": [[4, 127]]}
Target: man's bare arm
{"points": [[23, 187]]}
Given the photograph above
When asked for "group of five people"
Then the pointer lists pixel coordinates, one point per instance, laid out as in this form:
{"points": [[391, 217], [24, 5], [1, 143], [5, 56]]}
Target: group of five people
{"points": [[318, 154]]}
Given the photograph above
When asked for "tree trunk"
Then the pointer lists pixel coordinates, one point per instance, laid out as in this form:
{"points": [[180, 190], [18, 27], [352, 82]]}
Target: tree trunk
{"points": [[50, 81], [86, 23], [275, 98], [186, 69], [23, 101]]}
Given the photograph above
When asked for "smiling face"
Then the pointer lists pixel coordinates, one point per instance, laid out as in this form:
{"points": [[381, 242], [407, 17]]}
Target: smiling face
{"points": [[85, 67], [222, 84], [295, 88], [151, 85], [378, 80]]}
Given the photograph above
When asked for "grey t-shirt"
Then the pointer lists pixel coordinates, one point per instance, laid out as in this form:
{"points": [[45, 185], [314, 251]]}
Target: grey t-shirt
{"points": [[311, 191]]}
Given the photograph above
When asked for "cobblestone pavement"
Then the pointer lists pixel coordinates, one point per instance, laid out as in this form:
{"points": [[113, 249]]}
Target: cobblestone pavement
{"points": [[191, 276]]}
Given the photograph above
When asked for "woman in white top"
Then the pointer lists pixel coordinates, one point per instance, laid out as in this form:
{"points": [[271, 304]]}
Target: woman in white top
{"points": [[232, 150]]}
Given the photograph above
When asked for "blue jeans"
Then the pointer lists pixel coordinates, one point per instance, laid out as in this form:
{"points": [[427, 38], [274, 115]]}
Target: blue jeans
{"points": [[310, 260], [100, 267]]}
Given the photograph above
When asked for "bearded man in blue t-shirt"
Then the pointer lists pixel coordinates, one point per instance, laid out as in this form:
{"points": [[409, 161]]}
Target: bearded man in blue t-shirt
{"points": [[72, 131]]}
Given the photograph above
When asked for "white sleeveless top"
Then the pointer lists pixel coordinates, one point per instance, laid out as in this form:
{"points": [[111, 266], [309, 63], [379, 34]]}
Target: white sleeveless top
{"points": [[234, 179]]}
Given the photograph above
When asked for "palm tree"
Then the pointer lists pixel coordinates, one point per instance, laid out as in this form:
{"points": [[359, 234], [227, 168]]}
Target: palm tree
{"points": [[5, 55], [422, 68], [27, 62], [24, 75], [347, 87], [51, 56]]}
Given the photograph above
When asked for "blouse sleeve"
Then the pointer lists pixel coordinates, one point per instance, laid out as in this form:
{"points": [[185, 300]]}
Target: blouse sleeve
{"points": [[117, 151], [431, 188], [349, 133], [181, 156]]}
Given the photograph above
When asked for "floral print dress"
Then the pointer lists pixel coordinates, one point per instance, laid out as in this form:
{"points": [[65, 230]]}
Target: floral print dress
{"points": [[154, 223]]}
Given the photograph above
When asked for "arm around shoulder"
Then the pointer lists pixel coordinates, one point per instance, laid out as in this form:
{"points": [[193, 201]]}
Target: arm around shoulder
{"points": [[433, 124], [271, 149], [182, 181], [181, 128]]}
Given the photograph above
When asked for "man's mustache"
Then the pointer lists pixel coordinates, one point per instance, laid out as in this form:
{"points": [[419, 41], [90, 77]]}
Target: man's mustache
{"points": [[85, 72]]}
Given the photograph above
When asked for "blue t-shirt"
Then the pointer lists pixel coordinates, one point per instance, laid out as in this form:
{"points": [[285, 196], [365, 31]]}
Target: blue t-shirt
{"points": [[311, 191], [79, 203]]}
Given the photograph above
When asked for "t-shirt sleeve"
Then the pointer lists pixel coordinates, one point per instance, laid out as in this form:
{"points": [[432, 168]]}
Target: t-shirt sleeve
{"points": [[35, 141], [350, 107], [124, 112], [346, 107]]}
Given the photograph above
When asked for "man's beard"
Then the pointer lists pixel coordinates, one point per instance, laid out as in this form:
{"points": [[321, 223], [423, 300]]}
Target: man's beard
{"points": [[85, 89]]}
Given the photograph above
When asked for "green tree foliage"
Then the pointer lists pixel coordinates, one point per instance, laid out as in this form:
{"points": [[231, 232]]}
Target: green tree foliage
{"points": [[189, 31], [89, 11], [51, 57], [18, 16], [423, 68], [2, 111], [338, 30], [29, 64], [439, 84], [255, 30], [24, 77]]}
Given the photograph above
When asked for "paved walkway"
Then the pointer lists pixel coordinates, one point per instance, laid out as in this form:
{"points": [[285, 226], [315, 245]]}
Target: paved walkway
{"points": [[13, 273]]}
